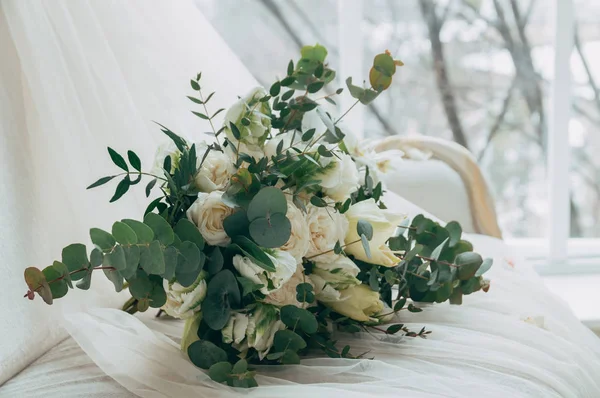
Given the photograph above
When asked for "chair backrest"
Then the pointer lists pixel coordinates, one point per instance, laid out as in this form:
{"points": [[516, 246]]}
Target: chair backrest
{"points": [[448, 182]]}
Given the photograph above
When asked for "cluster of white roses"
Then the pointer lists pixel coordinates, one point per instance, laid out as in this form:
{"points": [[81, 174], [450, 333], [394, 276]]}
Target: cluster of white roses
{"points": [[314, 235]]}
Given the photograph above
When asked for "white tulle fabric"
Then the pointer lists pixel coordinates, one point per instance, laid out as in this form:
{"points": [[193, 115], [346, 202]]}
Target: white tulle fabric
{"points": [[94, 73], [76, 77], [518, 340]]}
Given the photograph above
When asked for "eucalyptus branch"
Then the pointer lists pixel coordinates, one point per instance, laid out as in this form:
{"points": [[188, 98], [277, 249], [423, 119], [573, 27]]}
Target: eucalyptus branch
{"points": [[212, 126], [329, 251], [345, 113]]}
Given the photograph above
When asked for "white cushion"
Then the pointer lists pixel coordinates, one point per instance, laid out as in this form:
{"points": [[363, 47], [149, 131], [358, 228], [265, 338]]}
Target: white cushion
{"points": [[434, 186]]}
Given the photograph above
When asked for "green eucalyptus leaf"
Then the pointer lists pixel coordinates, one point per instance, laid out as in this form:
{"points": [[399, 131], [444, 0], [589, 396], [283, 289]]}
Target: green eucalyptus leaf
{"points": [[236, 224], [205, 354], [187, 231], [365, 244], [468, 263], [435, 254], [140, 286], [102, 239], [248, 286], [170, 256], [288, 340], [271, 232], [215, 261], [192, 257], [158, 296], [36, 281], [485, 266], [269, 200], [363, 227], [124, 234], [143, 232], [290, 357], [413, 252], [75, 258], [161, 228], [115, 277], [86, 281], [116, 259], [216, 310], [293, 317], [152, 260], [58, 286], [96, 257], [220, 372], [132, 260], [454, 231]]}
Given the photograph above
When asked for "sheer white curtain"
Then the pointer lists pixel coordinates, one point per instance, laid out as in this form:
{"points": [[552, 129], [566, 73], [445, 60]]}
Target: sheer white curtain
{"points": [[76, 77]]}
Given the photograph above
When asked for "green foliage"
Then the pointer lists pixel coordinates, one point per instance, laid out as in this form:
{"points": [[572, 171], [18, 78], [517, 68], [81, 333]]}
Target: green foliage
{"points": [[205, 354], [223, 293], [435, 263]]}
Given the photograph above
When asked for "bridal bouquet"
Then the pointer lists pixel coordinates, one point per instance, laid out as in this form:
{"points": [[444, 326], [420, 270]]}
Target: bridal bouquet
{"points": [[273, 237]]}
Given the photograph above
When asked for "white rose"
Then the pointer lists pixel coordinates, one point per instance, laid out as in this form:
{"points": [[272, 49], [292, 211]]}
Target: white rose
{"points": [[324, 292], [263, 324], [166, 149], [183, 302], [285, 267], [340, 177], [235, 329], [258, 113], [340, 273], [299, 242], [384, 223], [359, 303], [208, 213], [287, 293], [327, 226], [216, 169]]}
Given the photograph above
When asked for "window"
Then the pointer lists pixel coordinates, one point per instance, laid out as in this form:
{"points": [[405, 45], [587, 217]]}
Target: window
{"points": [[480, 72]]}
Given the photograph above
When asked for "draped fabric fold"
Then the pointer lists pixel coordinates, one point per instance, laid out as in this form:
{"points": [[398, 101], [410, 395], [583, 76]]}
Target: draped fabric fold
{"points": [[82, 75], [76, 77]]}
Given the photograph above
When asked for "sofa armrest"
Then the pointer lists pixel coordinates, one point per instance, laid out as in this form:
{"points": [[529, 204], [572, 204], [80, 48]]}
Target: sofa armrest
{"points": [[442, 178]]}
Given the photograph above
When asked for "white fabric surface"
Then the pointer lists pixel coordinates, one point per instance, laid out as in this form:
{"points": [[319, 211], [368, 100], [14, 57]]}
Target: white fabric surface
{"points": [[443, 194], [93, 74], [517, 340], [76, 77]]}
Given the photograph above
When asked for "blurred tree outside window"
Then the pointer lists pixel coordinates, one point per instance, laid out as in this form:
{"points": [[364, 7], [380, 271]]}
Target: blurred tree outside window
{"points": [[477, 72]]}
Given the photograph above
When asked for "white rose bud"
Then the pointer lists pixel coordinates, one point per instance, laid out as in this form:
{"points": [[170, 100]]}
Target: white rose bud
{"points": [[340, 273], [324, 292], [359, 303], [166, 149], [257, 113], [216, 169], [340, 178], [285, 267], [208, 213], [235, 329], [327, 226], [184, 302], [299, 242], [384, 223], [263, 324]]}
